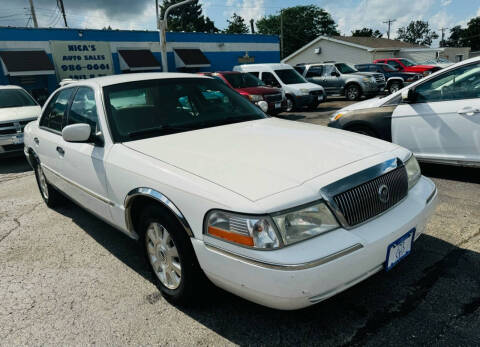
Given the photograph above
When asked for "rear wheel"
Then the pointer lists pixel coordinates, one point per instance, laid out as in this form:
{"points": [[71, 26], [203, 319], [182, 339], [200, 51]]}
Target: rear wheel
{"points": [[353, 92], [290, 104], [170, 256]]}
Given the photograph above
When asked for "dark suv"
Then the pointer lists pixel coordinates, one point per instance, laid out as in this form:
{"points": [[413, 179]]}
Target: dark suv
{"points": [[396, 80]]}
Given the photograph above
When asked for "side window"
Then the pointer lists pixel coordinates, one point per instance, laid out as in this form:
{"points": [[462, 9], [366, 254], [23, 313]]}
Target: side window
{"points": [[269, 79], [300, 69], [395, 64], [256, 74], [373, 68], [84, 108], [315, 71], [54, 112], [457, 84], [327, 70]]}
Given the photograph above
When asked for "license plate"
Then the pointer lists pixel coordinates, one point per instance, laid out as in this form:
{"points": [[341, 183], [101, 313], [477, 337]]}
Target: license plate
{"points": [[320, 97], [399, 249], [278, 105], [17, 139]]}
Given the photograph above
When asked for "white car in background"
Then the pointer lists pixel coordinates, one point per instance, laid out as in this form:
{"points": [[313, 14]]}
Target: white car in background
{"points": [[282, 213], [298, 91], [437, 117], [17, 108]]}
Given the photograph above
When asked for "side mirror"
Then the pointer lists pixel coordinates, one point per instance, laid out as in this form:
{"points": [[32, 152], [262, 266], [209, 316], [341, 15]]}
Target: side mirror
{"points": [[408, 95], [80, 132], [335, 73]]}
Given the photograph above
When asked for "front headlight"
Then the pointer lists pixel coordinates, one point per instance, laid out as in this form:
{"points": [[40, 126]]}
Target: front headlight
{"points": [[426, 73], [244, 230], [304, 91], [305, 223], [255, 98], [337, 115], [413, 171]]}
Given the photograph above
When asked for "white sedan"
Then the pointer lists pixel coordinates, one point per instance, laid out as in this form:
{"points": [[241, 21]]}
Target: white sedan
{"points": [[282, 213]]}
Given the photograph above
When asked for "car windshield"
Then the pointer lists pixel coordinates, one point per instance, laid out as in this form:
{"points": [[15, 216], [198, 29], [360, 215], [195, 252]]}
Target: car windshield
{"points": [[407, 62], [388, 68], [142, 109], [290, 76], [243, 80], [344, 68], [15, 98]]}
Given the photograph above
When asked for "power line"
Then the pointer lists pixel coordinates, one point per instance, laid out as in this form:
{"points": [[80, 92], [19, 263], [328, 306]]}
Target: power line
{"points": [[34, 17], [62, 9], [389, 21]]}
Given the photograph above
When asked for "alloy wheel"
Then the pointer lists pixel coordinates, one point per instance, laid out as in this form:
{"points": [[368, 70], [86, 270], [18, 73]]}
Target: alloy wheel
{"points": [[163, 255]]}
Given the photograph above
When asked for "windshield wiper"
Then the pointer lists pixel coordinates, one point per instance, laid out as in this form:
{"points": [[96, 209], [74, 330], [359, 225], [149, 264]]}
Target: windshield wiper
{"points": [[159, 130]]}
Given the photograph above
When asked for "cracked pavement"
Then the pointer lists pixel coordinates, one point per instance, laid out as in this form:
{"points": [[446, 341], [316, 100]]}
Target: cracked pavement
{"points": [[67, 278]]}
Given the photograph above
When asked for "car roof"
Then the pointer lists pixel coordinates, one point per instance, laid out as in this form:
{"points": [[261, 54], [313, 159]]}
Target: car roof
{"points": [[133, 77], [273, 66], [11, 86]]}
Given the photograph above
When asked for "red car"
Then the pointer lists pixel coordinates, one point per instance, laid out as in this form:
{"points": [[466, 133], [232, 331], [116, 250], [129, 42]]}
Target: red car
{"points": [[406, 65], [253, 89]]}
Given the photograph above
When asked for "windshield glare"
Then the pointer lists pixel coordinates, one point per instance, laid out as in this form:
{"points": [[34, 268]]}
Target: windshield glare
{"points": [[15, 98], [407, 62], [150, 108], [290, 76], [344, 68], [243, 80]]}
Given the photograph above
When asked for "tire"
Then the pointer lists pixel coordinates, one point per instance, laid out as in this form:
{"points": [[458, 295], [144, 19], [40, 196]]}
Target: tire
{"points": [[363, 131], [170, 256], [353, 92], [49, 194], [290, 104], [394, 87]]}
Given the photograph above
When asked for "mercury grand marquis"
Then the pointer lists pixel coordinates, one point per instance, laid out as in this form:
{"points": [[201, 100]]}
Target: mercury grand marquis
{"points": [[282, 213]]}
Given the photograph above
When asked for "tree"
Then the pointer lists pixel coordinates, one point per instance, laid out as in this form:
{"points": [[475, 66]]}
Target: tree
{"points": [[471, 35], [188, 17], [417, 32], [301, 24], [455, 38], [366, 32], [236, 25]]}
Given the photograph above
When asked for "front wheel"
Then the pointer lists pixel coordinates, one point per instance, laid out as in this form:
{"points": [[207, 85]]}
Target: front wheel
{"points": [[290, 104], [170, 256], [353, 92], [394, 87]]}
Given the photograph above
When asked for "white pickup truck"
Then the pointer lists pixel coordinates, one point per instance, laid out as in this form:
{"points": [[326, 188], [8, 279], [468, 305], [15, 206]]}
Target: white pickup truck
{"points": [[282, 213], [17, 108]]}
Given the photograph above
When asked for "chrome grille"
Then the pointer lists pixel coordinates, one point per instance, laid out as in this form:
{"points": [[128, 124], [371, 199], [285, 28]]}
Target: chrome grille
{"points": [[380, 78], [362, 202], [273, 97], [316, 92], [14, 127]]}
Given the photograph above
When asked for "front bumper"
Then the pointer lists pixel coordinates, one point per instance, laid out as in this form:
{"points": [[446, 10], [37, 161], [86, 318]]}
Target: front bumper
{"points": [[277, 107], [311, 271], [372, 88], [309, 100], [11, 144]]}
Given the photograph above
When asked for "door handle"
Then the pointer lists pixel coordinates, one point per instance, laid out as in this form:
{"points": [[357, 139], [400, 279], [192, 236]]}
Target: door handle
{"points": [[60, 151], [468, 111], [35, 139]]}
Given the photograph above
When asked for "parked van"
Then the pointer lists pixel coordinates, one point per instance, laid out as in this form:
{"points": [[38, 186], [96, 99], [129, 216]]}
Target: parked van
{"points": [[298, 90]]}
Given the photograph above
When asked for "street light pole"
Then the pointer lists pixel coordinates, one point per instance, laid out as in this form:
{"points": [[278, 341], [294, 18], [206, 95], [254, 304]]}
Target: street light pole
{"points": [[162, 26]]}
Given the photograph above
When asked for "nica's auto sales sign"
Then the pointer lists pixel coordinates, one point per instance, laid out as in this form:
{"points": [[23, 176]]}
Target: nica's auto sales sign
{"points": [[81, 59]]}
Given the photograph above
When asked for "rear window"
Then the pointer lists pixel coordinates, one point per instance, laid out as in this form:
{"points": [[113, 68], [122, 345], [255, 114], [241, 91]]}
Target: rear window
{"points": [[15, 98]]}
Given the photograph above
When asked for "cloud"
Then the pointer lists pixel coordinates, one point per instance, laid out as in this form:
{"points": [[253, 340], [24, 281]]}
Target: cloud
{"points": [[247, 9], [445, 2]]}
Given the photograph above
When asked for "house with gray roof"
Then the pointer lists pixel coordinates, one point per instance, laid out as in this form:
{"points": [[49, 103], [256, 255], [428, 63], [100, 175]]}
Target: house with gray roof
{"points": [[357, 50]]}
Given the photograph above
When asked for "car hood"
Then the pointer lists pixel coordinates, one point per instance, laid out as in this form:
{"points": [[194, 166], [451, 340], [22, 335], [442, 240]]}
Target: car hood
{"points": [[310, 86], [259, 90], [8, 114], [259, 158], [369, 103]]}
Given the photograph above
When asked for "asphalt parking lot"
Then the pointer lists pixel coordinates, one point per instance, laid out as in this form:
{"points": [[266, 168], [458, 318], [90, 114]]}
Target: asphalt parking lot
{"points": [[67, 278]]}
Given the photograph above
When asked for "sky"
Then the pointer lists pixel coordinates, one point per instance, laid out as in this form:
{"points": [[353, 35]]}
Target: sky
{"points": [[140, 14]]}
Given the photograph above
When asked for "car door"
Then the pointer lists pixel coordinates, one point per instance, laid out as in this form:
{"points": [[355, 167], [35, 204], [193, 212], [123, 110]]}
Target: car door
{"points": [[49, 138], [331, 79], [314, 75], [443, 122], [84, 162], [270, 80]]}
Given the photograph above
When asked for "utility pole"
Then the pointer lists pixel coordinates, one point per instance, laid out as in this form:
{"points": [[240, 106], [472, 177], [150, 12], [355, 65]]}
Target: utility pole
{"points": [[34, 17], [163, 30], [281, 34], [252, 26], [156, 12], [389, 22], [62, 9], [443, 36]]}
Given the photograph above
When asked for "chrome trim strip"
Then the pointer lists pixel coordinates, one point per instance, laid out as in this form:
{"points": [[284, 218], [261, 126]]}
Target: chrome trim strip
{"points": [[462, 163], [151, 193], [330, 191], [284, 267], [85, 190], [324, 296], [431, 196]]}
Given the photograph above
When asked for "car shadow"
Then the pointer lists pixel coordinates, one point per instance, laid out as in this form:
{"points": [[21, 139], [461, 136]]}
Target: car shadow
{"points": [[291, 116], [13, 165], [368, 309], [457, 173]]}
